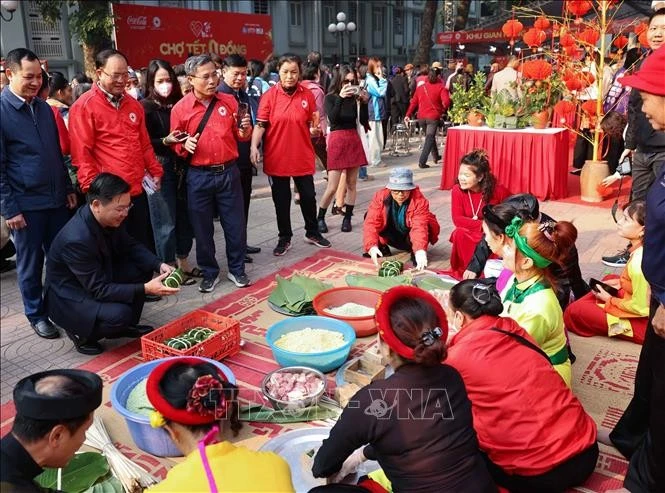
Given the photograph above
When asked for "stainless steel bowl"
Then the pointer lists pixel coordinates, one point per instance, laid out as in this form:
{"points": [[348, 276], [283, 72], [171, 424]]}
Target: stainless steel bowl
{"points": [[308, 401]]}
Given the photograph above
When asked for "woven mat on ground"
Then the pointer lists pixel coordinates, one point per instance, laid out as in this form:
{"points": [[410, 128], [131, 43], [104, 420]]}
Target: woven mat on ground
{"points": [[603, 374]]}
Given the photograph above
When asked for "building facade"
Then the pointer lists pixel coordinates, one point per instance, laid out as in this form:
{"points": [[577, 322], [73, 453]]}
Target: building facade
{"points": [[388, 29]]}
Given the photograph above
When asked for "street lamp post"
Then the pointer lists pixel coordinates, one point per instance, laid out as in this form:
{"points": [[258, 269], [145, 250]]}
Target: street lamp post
{"points": [[340, 28]]}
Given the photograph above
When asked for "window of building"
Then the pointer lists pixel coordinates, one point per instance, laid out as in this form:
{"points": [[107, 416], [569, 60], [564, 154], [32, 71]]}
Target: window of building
{"points": [[398, 22], [45, 39], [295, 14], [261, 7], [417, 24], [377, 27]]}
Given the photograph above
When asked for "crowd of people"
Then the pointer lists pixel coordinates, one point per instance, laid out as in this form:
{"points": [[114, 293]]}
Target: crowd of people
{"points": [[111, 183]]}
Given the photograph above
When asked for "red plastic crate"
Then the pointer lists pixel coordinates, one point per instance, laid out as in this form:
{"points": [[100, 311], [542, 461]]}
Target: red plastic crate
{"points": [[226, 341]]}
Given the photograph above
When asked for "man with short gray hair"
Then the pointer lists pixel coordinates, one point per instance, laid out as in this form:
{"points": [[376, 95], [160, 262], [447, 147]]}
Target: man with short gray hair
{"points": [[210, 119]]}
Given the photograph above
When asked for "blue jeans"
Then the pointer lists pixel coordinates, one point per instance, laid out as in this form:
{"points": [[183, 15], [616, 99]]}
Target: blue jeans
{"points": [[362, 173], [168, 215], [32, 244], [208, 193]]}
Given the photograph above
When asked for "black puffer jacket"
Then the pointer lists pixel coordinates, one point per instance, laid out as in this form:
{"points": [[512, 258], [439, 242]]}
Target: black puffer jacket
{"points": [[640, 135]]}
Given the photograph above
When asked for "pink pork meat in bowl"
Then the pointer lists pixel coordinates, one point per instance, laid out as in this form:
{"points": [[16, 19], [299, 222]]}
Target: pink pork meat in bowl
{"points": [[294, 387]]}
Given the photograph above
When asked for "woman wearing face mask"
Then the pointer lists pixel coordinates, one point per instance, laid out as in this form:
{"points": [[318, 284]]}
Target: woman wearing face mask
{"points": [[533, 431], [133, 87], [168, 208], [529, 250], [626, 315], [377, 87], [476, 187], [436, 452], [288, 119]]}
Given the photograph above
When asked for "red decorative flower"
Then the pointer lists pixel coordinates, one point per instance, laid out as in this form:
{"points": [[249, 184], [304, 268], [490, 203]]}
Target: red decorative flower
{"points": [[207, 388], [534, 37], [542, 23], [512, 28], [564, 106], [620, 42], [589, 107], [578, 7]]}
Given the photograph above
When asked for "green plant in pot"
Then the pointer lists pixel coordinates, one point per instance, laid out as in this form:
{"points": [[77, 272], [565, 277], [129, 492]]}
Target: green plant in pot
{"points": [[503, 110], [541, 89], [470, 105]]}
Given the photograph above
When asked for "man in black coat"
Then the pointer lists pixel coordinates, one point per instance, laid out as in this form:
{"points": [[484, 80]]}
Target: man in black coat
{"points": [[97, 276]]}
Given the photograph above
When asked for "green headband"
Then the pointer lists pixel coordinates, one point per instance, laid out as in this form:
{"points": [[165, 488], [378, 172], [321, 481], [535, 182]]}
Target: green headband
{"points": [[513, 231]]}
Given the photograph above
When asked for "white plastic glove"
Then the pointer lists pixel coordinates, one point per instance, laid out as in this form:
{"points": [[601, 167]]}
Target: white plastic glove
{"points": [[374, 252], [349, 467], [421, 259], [607, 181]]}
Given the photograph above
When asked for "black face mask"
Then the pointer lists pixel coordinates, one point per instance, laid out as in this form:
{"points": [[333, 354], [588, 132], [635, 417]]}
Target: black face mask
{"points": [[460, 70]]}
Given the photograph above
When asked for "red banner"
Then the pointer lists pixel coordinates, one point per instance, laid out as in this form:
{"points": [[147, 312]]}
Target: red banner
{"points": [[144, 33]]}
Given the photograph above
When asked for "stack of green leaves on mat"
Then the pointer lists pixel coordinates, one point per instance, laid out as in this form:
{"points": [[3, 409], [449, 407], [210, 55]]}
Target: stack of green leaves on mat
{"points": [[189, 338], [295, 294], [263, 414], [375, 282], [87, 472], [390, 268]]}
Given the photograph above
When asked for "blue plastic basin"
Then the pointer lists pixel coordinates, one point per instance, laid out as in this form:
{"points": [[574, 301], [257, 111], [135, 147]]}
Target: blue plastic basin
{"points": [[324, 361], [155, 441]]}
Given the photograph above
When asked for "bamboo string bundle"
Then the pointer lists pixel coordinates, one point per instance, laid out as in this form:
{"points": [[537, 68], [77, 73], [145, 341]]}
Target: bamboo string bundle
{"points": [[133, 477]]}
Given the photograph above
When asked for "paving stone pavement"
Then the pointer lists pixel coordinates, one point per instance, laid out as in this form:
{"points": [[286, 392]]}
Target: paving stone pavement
{"points": [[23, 352]]}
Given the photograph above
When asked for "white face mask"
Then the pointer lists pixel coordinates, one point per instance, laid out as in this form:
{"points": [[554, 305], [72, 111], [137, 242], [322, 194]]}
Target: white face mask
{"points": [[133, 92], [164, 89]]}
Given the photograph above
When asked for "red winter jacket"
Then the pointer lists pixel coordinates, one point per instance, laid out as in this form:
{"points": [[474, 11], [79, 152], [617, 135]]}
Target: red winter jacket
{"points": [[423, 226], [432, 100], [105, 139], [527, 420]]}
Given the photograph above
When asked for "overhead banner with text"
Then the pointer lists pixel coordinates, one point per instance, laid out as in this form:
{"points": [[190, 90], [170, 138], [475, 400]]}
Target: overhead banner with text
{"points": [[144, 33]]}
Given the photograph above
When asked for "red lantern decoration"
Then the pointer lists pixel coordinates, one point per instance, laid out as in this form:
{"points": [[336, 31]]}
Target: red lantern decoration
{"points": [[542, 23], [566, 40], [534, 37], [642, 38], [620, 42], [589, 36], [512, 28], [537, 69], [578, 7], [564, 106], [589, 107], [641, 28], [572, 51], [587, 78]]}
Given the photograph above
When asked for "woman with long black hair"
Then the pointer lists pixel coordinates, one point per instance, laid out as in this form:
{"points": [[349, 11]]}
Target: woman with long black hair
{"points": [[168, 207]]}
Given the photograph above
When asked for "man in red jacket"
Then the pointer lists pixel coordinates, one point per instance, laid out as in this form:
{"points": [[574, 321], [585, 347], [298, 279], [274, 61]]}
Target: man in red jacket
{"points": [[109, 135]]}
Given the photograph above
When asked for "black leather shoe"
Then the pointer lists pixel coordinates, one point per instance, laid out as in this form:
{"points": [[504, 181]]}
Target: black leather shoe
{"points": [[89, 348], [45, 329], [151, 298], [136, 331], [251, 250], [423, 166], [248, 259]]}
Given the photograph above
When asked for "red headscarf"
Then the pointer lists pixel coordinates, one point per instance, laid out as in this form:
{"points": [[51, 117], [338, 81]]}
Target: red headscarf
{"points": [[382, 316]]}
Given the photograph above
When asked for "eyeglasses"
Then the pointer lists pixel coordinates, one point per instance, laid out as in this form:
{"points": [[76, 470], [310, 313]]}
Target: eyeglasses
{"points": [[401, 192], [347, 81], [124, 208], [206, 77], [116, 77]]}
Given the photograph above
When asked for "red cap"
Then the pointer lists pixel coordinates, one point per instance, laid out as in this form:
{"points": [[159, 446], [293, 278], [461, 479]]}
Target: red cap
{"points": [[382, 316], [649, 78], [193, 414]]}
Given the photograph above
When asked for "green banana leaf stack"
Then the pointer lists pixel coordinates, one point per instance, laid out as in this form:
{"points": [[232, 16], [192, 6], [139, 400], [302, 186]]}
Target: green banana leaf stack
{"points": [[87, 472], [294, 295], [376, 282]]}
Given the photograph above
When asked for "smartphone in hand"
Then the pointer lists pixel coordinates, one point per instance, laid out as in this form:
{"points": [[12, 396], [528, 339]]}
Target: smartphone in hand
{"points": [[594, 283], [243, 111], [181, 136]]}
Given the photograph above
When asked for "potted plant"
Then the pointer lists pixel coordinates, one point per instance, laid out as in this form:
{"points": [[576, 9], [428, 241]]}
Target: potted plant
{"points": [[469, 106], [541, 89], [503, 109]]}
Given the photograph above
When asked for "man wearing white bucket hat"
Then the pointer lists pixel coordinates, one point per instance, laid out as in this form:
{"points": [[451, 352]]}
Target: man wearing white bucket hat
{"points": [[399, 216]]}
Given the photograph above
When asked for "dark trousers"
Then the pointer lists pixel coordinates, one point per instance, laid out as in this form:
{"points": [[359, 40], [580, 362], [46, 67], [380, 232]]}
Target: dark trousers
{"points": [[571, 473], [646, 168], [281, 197], [430, 142], [169, 218], [114, 318], [246, 177], [584, 150], [32, 244], [138, 222], [207, 193], [640, 433], [396, 240]]}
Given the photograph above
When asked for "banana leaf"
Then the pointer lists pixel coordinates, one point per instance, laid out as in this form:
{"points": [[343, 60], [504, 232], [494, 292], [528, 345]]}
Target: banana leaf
{"points": [[295, 295], [264, 414], [311, 286], [430, 283], [109, 485], [80, 474], [376, 282]]}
